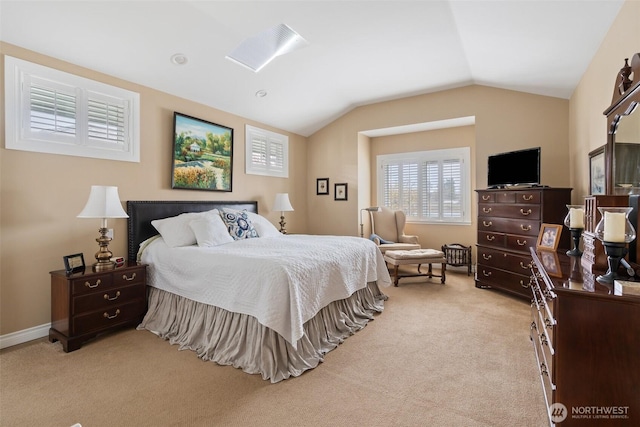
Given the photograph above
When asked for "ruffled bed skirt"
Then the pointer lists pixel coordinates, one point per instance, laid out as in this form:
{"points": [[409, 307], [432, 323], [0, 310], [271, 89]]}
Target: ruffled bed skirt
{"points": [[239, 340]]}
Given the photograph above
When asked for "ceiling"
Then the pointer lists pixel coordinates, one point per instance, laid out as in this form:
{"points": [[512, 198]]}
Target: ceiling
{"points": [[358, 52]]}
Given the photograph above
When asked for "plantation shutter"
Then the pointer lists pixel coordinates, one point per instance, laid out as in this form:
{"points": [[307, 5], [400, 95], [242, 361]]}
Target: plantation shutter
{"points": [[267, 153], [429, 186], [106, 120], [52, 108], [50, 111]]}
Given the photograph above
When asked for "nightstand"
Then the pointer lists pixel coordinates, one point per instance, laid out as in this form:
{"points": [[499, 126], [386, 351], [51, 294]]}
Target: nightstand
{"points": [[89, 303]]}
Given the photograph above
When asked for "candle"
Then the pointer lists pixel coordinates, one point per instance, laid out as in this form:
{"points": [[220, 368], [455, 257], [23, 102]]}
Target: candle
{"points": [[614, 224], [576, 218]]}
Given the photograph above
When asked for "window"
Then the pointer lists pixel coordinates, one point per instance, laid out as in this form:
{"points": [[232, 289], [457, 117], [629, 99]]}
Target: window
{"points": [[429, 186], [267, 153], [50, 111]]}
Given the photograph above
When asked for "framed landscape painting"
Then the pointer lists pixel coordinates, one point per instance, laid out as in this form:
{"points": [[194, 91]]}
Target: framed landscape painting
{"points": [[202, 154]]}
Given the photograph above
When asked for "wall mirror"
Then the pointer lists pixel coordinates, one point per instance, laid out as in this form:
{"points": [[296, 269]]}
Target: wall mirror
{"points": [[622, 167]]}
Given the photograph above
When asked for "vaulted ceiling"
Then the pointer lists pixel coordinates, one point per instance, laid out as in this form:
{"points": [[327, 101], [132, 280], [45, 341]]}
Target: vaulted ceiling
{"points": [[358, 52]]}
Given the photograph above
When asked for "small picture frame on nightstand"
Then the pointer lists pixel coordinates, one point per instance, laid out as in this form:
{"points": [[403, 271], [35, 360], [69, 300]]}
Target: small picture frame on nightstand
{"points": [[73, 263]]}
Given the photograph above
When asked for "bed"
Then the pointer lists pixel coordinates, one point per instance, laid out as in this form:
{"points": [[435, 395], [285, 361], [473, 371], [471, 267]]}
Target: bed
{"points": [[274, 305]]}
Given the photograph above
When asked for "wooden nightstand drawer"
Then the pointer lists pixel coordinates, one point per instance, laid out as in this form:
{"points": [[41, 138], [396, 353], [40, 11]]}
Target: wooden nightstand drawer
{"points": [[107, 299], [108, 318], [130, 277], [91, 283]]}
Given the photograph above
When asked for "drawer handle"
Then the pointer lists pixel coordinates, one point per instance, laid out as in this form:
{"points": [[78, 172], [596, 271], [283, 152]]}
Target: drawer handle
{"points": [[485, 197], [133, 276], [521, 243], [486, 273], [106, 296], [524, 284], [525, 227], [486, 210], [543, 369], [491, 238], [528, 212], [106, 315], [527, 197], [526, 267], [89, 285], [486, 257], [487, 224]]}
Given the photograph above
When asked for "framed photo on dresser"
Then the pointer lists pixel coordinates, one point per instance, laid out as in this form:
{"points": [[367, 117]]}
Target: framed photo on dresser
{"points": [[549, 237]]}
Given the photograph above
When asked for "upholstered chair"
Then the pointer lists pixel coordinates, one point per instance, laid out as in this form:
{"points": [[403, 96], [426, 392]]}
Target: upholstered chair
{"points": [[387, 228]]}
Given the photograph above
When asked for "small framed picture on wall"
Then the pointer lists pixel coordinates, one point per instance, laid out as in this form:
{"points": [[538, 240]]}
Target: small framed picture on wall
{"points": [[322, 186], [340, 191]]}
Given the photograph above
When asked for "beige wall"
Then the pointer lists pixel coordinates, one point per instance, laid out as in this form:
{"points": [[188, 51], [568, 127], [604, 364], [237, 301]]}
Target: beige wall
{"points": [[594, 93], [504, 120], [43, 193]]}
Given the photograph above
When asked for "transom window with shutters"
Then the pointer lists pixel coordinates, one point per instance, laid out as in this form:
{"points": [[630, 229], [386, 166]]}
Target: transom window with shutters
{"points": [[267, 153], [50, 111], [429, 186]]}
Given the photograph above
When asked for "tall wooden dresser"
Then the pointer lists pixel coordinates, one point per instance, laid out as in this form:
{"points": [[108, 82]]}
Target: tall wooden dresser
{"points": [[509, 221]]}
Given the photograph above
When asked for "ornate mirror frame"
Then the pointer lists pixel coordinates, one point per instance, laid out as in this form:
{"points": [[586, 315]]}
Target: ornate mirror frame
{"points": [[626, 98]]}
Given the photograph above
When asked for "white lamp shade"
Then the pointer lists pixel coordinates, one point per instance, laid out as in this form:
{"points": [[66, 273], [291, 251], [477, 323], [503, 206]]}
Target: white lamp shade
{"points": [[282, 203], [103, 202]]}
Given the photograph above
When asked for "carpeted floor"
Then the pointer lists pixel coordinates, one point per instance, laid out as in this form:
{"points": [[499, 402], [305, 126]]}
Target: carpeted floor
{"points": [[439, 355]]}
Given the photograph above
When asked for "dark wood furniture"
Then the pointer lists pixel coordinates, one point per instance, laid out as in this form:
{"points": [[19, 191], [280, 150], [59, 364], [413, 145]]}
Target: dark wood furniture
{"points": [[458, 255], [509, 221], [88, 303], [587, 341]]}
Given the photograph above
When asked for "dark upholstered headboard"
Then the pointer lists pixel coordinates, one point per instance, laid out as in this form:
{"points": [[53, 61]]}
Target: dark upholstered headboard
{"points": [[141, 213]]}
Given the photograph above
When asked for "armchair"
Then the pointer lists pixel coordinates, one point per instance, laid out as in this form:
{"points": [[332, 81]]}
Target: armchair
{"points": [[387, 228]]}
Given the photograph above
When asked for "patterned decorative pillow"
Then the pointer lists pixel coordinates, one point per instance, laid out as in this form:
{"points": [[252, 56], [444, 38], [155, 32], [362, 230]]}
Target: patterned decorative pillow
{"points": [[238, 223]]}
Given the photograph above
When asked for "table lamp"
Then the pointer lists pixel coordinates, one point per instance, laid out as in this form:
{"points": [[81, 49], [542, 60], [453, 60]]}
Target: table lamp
{"points": [[282, 204], [103, 203]]}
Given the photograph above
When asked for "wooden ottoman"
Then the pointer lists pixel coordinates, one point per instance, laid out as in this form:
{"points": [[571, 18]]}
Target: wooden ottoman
{"points": [[416, 256]]}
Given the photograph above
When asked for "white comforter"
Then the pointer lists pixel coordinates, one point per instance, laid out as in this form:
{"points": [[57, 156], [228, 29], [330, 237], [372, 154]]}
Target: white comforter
{"points": [[281, 281]]}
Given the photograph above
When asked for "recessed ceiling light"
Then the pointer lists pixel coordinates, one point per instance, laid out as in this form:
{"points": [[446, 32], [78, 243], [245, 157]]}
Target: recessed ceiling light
{"points": [[261, 93], [179, 59]]}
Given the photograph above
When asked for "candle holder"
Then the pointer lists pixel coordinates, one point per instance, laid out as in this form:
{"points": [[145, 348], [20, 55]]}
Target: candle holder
{"points": [[614, 231], [575, 222]]}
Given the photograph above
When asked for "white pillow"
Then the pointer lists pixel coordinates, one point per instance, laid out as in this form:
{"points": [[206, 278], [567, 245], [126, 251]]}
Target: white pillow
{"points": [[175, 230], [210, 231], [263, 226]]}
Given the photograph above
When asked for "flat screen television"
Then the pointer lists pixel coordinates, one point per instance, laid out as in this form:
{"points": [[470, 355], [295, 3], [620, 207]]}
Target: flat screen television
{"points": [[520, 167]]}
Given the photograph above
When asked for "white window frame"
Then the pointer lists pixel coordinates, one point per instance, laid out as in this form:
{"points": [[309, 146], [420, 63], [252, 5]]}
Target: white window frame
{"points": [[88, 137], [271, 144], [462, 154]]}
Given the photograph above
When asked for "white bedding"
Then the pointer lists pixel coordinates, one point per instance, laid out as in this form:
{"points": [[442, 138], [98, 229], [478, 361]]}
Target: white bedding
{"points": [[281, 281]]}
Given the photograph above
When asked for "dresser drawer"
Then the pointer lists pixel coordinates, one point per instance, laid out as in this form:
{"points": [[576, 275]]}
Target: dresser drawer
{"points": [[520, 243], [515, 263], [92, 283], [130, 277], [108, 318], [492, 239], [507, 280], [528, 196], [507, 225], [107, 299], [487, 197], [531, 212]]}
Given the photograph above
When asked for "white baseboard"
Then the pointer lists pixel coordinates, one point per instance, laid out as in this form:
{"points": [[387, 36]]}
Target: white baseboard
{"points": [[24, 335]]}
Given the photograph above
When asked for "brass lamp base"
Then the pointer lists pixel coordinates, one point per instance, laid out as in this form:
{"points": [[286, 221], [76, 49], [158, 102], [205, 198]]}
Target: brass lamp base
{"points": [[283, 229], [104, 255]]}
